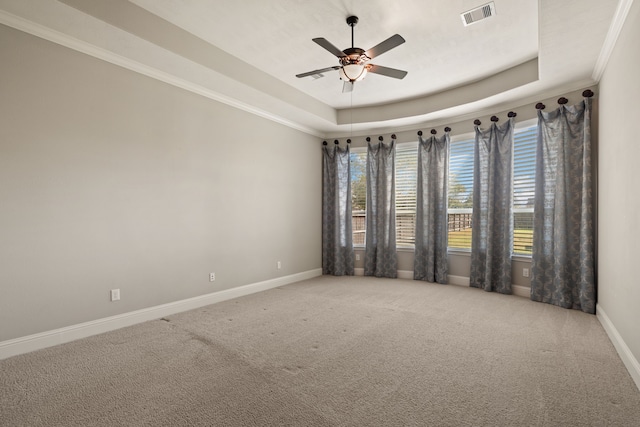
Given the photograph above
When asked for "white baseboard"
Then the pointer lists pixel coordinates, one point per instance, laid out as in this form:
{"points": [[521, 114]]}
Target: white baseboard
{"points": [[405, 274], [630, 362], [521, 291], [458, 280], [402, 274], [46, 339]]}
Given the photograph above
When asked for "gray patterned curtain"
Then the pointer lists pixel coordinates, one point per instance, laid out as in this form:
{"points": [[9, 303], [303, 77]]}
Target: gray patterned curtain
{"points": [[380, 256], [430, 259], [337, 239], [562, 264], [492, 218]]}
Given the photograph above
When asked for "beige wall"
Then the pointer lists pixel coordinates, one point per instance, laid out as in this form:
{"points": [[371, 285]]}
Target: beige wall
{"points": [[109, 179], [619, 180]]}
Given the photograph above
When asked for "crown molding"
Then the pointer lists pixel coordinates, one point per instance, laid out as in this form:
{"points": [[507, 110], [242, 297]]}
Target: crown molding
{"points": [[81, 46], [619, 18]]}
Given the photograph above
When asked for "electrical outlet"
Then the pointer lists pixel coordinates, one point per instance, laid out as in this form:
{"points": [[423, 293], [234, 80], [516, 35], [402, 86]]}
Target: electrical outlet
{"points": [[212, 277], [525, 272], [279, 265], [115, 294], [357, 257]]}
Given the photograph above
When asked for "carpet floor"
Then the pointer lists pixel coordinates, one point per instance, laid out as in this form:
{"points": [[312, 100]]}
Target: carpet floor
{"points": [[331, 351]]}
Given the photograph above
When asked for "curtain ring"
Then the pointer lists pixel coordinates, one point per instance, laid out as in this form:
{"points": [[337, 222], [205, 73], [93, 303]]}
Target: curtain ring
{"points": [[511, 114], [393, 136], [562, 100], [540, 106], [368, 139], [348, 141], [433, 131], [447, 129], [324, 142], [336, 142], [380, 138], [419, 133], [588, 93], [477, 122], [494, 118]]}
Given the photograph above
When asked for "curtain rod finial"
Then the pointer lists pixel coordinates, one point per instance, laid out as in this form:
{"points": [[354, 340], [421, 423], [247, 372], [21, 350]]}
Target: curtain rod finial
{"points": [[511, 114], [447, 129], [477, 122], [588, 93], [562, 100], [540, 106]]}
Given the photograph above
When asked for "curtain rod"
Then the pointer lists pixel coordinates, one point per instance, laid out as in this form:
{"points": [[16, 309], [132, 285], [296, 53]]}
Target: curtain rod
{"points": [[380, 138], [562, 100], [433, 131], [539, 106], [494, 119]]}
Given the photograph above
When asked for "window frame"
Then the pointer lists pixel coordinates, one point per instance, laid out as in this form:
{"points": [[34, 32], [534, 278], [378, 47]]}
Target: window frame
{"points": [[407, 147], [522, 126], [468, 137], [352, 151]]}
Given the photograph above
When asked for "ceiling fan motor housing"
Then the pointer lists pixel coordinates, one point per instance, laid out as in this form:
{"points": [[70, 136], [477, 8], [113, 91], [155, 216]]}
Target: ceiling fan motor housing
{"points": [[354, 55]]}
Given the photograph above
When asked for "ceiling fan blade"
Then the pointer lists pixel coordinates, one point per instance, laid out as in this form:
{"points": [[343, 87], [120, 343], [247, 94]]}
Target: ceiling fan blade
{"points": [[315, 72], [328, 46], [388, 44], [386, 71], [347, 87]]}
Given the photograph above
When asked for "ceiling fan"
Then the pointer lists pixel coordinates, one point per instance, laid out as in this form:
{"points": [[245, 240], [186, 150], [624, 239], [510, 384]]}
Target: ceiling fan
{"points": [[354, 62]]}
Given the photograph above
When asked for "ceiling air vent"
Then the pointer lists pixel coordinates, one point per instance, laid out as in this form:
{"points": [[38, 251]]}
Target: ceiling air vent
{"points": [[478, 14]]}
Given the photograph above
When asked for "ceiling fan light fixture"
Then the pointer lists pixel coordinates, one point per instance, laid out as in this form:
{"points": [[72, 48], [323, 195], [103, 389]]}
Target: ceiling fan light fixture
{"points": [[353, 72]]}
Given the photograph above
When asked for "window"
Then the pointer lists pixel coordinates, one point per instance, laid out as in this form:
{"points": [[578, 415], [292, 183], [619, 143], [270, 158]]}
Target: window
{"points": [[524, 175], [461, 191], [460, 194], [358, 159], [406, 172], [406, 183]]}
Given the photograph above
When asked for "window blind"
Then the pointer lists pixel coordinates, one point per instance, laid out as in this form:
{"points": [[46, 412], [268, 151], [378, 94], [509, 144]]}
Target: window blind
{"points": [[406, 183], [358, 159], [460, 197], [524, 173]]}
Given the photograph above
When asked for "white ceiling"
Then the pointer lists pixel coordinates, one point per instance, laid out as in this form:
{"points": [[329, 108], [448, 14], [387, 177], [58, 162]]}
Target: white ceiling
{"points": [[439, 52], [247, 52]]}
